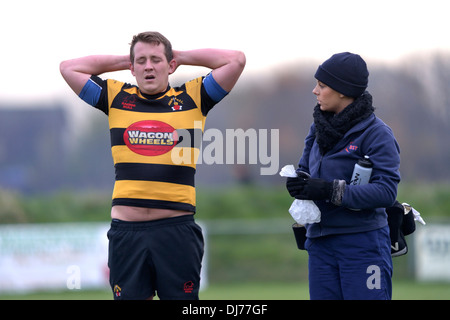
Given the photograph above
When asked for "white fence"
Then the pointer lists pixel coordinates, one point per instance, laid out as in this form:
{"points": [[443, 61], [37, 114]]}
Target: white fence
{"points": [[53, 256], [432, 252]]}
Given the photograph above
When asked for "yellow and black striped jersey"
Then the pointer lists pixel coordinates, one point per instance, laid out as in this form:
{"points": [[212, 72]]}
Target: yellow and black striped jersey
{"points": [[155, 142]]}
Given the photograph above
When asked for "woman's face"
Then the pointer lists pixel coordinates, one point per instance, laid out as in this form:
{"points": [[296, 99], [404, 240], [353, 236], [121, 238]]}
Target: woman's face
{"points": [[330, 100]]}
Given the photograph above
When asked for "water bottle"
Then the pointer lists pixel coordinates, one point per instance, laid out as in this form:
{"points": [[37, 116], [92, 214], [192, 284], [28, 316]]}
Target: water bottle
{"points": [[362, 172]]}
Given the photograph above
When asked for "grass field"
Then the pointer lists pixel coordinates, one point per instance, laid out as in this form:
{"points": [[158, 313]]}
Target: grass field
{"points": [[402, 290]]}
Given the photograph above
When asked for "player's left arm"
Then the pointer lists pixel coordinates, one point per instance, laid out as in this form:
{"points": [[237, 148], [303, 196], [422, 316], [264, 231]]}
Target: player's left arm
{"points": [[226, 65]]}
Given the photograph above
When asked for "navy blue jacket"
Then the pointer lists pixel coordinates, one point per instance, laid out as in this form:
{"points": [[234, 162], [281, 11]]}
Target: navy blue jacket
{"points": [[370, 137]]}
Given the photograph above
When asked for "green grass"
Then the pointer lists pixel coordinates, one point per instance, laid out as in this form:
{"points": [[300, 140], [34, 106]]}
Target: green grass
{"points": [[295, 290], [407, 290]]}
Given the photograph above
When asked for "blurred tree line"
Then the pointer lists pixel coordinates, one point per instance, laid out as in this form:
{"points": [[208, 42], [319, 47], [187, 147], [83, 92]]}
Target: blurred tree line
{"points": [[40, 152]]}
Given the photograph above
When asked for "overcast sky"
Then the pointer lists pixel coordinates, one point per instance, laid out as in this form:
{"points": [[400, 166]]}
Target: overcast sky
{"points": [[36, 36]]}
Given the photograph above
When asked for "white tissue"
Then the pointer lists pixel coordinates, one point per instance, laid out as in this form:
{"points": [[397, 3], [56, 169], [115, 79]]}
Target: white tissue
{"points": [[303, 211], [288, 171]]}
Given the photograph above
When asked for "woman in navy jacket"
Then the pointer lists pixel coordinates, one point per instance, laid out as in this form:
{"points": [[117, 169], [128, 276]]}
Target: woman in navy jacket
{"points": [[349, 249]]}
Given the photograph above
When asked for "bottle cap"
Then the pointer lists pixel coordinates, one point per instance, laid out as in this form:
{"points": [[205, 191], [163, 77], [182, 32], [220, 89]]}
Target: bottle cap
{"points": [[366, 163]]}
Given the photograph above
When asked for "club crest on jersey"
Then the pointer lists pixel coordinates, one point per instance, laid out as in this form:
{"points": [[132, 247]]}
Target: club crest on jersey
{"points": [[176, 104], [150, 137]]}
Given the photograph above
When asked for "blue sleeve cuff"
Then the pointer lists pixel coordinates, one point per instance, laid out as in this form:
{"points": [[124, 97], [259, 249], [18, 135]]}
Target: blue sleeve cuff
{"points": [[91, 93], [214, 90]]}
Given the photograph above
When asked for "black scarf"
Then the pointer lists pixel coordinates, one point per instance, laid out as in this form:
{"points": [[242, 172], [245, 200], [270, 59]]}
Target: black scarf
{"points": [[331, 127]]}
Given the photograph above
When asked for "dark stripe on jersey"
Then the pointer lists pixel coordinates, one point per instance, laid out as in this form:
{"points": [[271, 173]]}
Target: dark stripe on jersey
{"points": [[134, 103], [161, 204], [156, 172], [116, 135]]}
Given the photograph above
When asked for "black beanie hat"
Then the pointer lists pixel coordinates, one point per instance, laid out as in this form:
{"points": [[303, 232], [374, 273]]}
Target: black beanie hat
{"points": [[344, 72]]}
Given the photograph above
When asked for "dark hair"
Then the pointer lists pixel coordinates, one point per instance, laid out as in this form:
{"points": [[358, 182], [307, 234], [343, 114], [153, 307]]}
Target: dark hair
{"points": [[152, 37]]}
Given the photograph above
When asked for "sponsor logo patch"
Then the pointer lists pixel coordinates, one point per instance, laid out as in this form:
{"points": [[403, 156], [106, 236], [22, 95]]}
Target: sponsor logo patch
{"points": [[150, 137]]}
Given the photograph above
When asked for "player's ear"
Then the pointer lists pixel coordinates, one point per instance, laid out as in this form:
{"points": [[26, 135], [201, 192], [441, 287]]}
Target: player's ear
{"points": [[132, 69], [172, 66]]}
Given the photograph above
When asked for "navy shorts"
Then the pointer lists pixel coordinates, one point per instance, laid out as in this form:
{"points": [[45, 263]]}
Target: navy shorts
{"points": [[355, 266], [162, 256]]}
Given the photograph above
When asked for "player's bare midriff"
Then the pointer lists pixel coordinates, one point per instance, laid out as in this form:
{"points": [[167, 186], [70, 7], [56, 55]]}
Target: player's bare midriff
{"points": [[127, 213]]}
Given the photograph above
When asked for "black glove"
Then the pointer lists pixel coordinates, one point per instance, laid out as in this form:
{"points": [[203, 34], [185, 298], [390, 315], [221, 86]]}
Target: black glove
{"points": [[395, 215], [295, 184], [309, 189]]}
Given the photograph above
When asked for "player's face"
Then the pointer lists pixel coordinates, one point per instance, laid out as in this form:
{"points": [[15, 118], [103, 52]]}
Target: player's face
{"points": [[151, 68], [330, 100]]}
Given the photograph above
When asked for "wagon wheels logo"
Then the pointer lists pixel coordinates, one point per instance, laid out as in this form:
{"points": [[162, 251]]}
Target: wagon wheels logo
{"points": [[150, 137]]}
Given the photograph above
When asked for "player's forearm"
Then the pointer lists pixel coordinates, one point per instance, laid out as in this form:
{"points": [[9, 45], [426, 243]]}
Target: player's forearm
{"points": [[227, 65], [95, 65], [76, 72], [209, 58]]}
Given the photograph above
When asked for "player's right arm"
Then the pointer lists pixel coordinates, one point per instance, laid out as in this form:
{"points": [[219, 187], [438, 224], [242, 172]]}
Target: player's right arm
{"points": [[76, 72]]}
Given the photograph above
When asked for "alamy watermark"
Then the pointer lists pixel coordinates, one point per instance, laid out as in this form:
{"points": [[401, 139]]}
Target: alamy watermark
{"points": [[74, 277], [374, 280], [235, 147]]}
